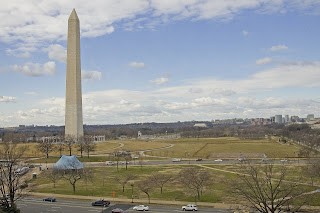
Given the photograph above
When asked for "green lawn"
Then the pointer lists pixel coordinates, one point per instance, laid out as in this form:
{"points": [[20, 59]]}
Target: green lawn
{"points": [[219, 190], [204, 147]]}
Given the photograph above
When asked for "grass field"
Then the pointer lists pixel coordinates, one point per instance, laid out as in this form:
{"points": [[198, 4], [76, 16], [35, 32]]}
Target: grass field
{"points": [[225, 147], [219, 190], [204, 147], [104, 147]]}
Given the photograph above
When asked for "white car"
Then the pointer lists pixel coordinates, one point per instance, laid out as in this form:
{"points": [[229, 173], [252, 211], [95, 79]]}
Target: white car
{"points": [[189, 207], [124, 162], [176, 159], [109, 163], [141, 208], [218, 160]]}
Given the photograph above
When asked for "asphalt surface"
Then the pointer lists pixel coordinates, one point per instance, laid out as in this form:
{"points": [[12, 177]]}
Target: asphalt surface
{"points": [[37, 205]]}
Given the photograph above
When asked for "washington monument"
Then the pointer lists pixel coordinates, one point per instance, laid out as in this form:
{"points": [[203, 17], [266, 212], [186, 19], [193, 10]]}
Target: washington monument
{"points": [[73, 119]]}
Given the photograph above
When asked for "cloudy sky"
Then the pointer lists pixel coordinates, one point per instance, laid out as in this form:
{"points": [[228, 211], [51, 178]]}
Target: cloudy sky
{"points": [[161, 60]]}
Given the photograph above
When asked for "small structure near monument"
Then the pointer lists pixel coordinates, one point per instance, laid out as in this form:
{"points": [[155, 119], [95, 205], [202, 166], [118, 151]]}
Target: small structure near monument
{"points": [[67, 163]]}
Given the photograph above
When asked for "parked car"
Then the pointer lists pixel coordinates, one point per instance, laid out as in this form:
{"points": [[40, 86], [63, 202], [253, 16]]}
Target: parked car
{"points": [[125, 162], [218, 160], [21, 171], [265, 160], [189, 207], [109, 163], [117, 210], [100, 203], [141, 208], [242, 159], [50, 199], [199, 159], [176, 159]]}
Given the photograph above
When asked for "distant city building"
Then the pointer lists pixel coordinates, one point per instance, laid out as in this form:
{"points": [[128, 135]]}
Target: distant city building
{"points": [[286, 118], [200, 125], [278, 119], [259, 121], [310, 117], [295, 118], [272, 119]]}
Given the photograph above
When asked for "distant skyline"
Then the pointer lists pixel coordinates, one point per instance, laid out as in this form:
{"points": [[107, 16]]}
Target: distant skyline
{"points": [[161, 60]]}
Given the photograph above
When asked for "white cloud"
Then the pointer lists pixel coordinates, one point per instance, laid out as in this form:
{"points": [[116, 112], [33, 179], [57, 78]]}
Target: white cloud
{"points": [[17, 53], [57, 52], [262, 61], [36, 69], [91, 75], [159, 81], [195, 99], [7, 99], [31, 93], [137, 64], [245, 33], [279, 47], [49, 23]]}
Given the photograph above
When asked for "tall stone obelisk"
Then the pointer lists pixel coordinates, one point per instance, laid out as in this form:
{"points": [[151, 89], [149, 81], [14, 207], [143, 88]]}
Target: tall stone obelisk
{"points": [[73, 117]]}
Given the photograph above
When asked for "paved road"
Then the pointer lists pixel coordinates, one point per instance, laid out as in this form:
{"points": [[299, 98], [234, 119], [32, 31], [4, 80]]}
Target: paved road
{"points": [[36, 205]]}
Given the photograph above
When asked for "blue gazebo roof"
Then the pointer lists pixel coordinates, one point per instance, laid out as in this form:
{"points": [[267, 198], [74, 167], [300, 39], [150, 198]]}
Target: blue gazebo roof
{"points": [[68, 162]]}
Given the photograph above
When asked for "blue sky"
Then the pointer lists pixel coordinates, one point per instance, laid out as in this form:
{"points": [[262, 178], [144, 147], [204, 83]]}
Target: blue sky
{"points": [[161, 60]]}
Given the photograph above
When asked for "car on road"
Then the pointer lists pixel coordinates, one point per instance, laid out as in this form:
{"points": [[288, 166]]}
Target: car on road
{"points": [[284, 161], [100, 203], [189, 207], [125, 162], [265, 160], [199, 159], [109, 163], [141, 208], [50, 199], [218, 160], [176, 159], [117, 210], [242, 160]]}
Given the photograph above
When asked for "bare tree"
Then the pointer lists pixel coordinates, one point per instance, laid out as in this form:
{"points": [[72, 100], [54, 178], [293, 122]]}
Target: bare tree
{"points": [[81, 145], [127, 159], [267, 191], [116, 157], [89, 145], [69, 141], [161, 179], [45, 146], [53, 175], [312, 169], [72, 172], [146, 186], [59, 146], [12, 181], [123, 180], [194, 179]]}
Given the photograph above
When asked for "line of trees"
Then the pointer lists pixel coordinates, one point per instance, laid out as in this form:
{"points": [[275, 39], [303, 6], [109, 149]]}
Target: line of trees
{"points": [[193, 180], [68, 143]]}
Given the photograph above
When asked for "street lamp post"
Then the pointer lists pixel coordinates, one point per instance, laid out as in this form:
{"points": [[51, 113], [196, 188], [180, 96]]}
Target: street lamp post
{"points": [[131, 192]]}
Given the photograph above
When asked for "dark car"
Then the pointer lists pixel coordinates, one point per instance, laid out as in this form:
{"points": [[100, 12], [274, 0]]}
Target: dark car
{"points": [[117, 210], [50, 199], [100, 203], [199, 159]]}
